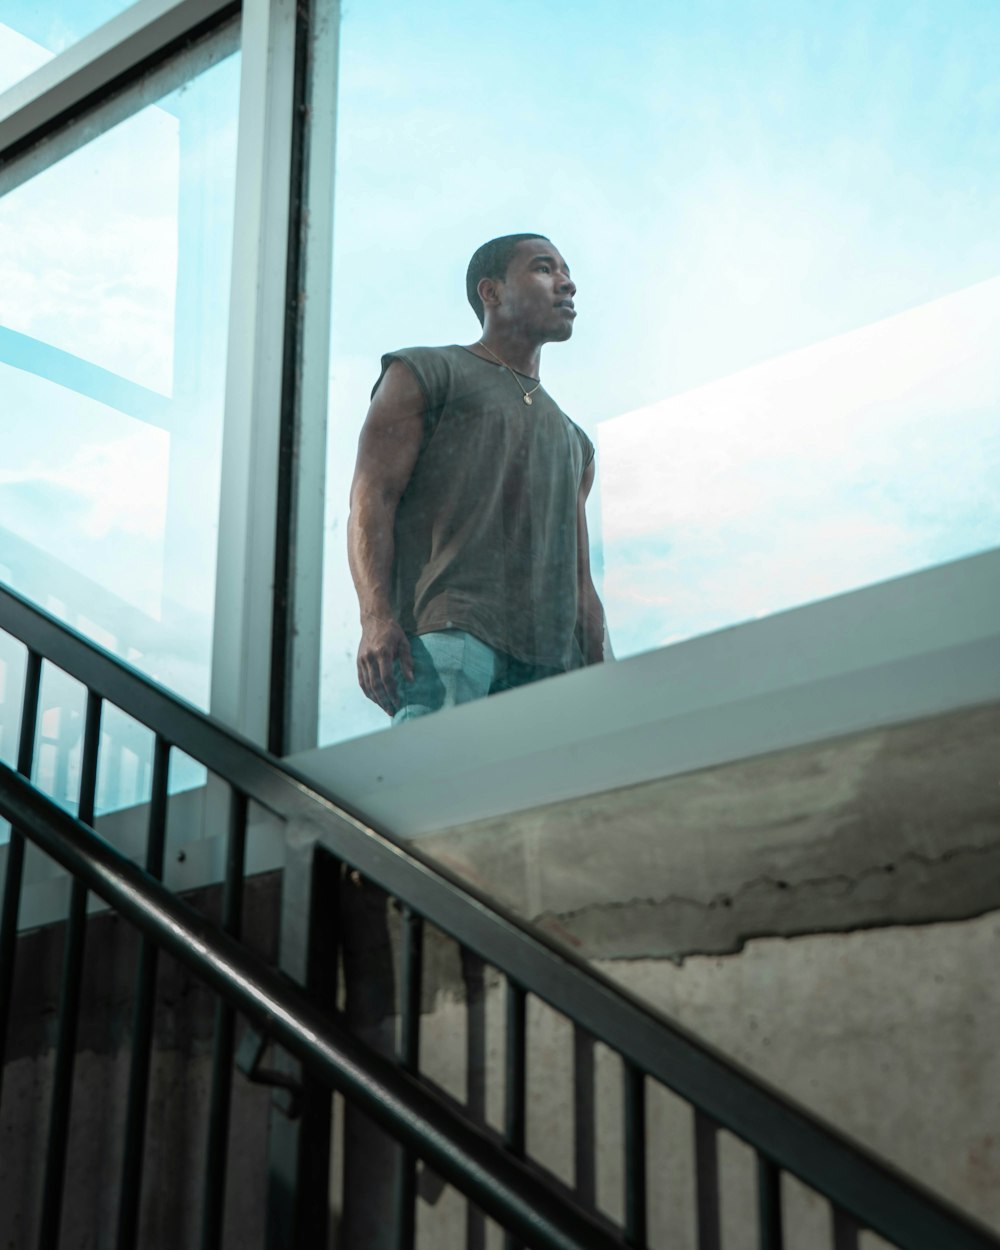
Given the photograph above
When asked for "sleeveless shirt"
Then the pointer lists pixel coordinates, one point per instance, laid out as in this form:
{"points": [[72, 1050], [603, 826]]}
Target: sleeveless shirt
{"points": [[486, 529]]}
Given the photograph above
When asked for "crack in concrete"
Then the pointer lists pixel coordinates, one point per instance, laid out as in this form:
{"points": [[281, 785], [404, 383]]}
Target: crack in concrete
{"points": [[727, 899], [722, 937]]}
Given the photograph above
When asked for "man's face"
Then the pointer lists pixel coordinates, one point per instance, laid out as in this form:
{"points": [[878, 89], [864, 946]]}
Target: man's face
{"points": [[536, 297]]}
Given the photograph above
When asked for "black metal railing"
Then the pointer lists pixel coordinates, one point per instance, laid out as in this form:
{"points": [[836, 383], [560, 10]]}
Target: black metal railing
{"points": [[331, 854]]}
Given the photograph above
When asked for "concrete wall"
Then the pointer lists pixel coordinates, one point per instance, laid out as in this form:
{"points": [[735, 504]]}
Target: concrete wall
{"points": [[180, 1080], [828, 916], [890, 1034]]}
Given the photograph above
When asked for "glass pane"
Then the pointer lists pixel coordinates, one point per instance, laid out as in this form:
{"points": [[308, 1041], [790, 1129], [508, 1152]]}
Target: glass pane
{"points": [[782, 224], [113, 314], [62, 704], [13, 660], [33, 31]]}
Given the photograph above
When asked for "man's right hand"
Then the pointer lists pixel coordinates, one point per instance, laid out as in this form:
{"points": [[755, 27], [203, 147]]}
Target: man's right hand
{"points": [[383, 645]]}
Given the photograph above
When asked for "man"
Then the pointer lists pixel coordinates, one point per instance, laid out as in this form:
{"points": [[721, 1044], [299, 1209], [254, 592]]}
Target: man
{"points": [[467, 535]]}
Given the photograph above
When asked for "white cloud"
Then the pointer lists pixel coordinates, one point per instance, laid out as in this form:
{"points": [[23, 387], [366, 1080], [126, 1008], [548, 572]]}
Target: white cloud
{"points": [[88, 251], [113, 487], [857, 459]]}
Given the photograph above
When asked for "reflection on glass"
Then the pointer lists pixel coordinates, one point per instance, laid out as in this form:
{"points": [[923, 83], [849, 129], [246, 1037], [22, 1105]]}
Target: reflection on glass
{"points": [[781, 223], [33, 31], [59, 731], [125, 762], [113, 311]]}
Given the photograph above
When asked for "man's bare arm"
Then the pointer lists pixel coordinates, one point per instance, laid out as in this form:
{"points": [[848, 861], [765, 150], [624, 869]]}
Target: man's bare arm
{"points": [[590, 612], [387, 451]]}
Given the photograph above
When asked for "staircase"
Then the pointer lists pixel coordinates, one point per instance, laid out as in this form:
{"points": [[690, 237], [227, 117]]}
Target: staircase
{"points": [[360, 1140]]}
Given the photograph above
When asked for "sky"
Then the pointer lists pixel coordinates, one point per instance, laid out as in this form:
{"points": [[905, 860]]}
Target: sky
{"points": [[780, 218]]}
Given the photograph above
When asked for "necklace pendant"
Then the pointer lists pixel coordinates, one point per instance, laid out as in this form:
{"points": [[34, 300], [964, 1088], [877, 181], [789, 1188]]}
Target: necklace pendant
{"points": [[527, 399]]}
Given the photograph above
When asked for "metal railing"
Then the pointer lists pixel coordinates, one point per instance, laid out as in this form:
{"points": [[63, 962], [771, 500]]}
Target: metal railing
{"points": [[327, 845]]}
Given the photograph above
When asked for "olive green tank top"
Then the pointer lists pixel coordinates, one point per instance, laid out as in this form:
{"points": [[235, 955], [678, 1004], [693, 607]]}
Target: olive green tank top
{"points": [[486, 530]]}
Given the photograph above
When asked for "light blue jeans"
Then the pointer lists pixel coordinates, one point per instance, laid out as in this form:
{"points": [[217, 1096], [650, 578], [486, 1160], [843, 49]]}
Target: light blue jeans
{"points": [[452, 666]]}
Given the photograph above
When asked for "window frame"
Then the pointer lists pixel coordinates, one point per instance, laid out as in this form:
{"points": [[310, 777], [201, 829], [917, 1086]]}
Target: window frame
{"points": [[274, 436]]}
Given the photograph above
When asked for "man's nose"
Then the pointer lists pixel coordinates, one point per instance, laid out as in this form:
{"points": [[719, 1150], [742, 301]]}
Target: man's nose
{"points": [[568, 285]]}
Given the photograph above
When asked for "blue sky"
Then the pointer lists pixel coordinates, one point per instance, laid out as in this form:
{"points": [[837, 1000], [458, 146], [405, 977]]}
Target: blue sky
{"points": [[736, 185], [729, 181]]}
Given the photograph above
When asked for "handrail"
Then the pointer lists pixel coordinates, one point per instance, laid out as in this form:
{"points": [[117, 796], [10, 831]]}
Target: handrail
{"points": [[876, 1194], [501, 1185]]}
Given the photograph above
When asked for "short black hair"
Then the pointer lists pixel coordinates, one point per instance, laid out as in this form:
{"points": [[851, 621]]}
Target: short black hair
{"points": [[491, 261]]}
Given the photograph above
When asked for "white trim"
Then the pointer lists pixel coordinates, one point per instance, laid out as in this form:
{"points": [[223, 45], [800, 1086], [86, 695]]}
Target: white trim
{"points": [[315, 278], [241, 656], [118, 47], [91, 122]]}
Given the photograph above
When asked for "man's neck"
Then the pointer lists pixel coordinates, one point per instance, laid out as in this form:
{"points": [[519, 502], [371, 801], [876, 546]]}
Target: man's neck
{"points": [[525, 357]]}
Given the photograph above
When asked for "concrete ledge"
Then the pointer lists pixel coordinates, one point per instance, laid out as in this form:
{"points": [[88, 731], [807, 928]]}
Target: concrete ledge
{"points": [[909, 648]]}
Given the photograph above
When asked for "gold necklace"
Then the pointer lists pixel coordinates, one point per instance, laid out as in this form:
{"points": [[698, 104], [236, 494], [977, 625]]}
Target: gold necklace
{"points": [[527, 394]]}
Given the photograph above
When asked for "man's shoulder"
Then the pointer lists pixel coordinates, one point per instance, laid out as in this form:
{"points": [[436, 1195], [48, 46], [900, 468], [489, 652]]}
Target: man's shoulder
{"points": [[433, 367], [423, 354]]}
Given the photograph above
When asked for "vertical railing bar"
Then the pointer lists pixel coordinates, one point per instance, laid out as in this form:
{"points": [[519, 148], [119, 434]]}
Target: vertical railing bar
{"points": [[142, 1018], [706, 1162], [769, 1217], [15, 851], [315, 1122], [408, 1054], [635, 1155], [216, 1153], [585, 1118], [844, 1228], [473, 975], [515, 1070], [515, 1079], [69, 1000]]}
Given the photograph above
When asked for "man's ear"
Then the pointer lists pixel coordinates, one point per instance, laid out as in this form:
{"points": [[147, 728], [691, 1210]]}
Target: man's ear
{"points": [[489, 292]]}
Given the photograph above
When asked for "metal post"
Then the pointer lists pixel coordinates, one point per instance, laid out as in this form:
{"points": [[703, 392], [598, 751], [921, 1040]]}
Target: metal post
{"points": [[411, 982], [299, 1146], [585, 1118], [635, 1155], [844, 1229], [216, 1154], [142, 1019], [273, 460], [769, 1216], [706, 1172], [15, 851], [516, 1081], [295, 669], [473, 976], [69, 1001]]}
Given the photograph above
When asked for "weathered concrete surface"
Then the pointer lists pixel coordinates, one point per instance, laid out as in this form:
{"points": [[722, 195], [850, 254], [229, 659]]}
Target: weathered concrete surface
{"points": [[889, 1034], [178, 1101], [829, 916], [895, 826]]}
